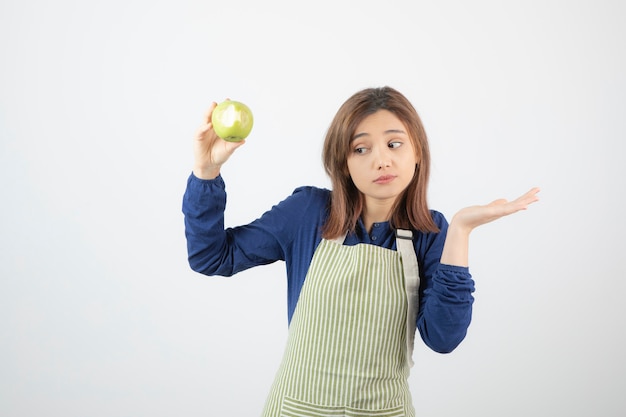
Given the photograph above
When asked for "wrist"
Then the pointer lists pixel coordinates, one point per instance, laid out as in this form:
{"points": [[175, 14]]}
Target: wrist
{"points": [[458, 228], [456, 246], [206, 173]]}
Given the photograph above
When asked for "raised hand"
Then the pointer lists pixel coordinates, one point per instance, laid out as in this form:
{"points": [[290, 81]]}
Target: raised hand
{"points": [[210, 151], [471, 217], [456, 247]]}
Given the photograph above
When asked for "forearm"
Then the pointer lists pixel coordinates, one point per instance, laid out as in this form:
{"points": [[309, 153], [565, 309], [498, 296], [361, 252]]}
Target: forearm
{"points": [[204, 228], [456, 246], [446, 308]]}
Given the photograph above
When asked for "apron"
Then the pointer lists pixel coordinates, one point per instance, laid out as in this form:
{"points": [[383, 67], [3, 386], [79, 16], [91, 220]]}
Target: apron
{"points": [[350, 342]]}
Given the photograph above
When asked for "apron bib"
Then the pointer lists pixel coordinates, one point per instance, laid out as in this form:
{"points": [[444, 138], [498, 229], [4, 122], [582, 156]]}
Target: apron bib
{"points": [[351, 337]]}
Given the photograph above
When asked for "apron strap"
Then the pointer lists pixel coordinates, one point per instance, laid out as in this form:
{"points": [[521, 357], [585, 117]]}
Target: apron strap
{"points": [[404, 244], [340, 239]]}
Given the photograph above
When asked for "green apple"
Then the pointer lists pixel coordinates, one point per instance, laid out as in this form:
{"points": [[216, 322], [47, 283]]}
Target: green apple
{"points": [[232, 120]]}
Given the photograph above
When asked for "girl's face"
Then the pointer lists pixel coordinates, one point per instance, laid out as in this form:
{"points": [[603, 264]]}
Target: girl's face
{"points": [[382, 160]]}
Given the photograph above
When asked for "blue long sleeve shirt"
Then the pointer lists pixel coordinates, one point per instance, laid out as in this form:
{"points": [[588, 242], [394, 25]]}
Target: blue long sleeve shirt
{"points": [[291, 230]]}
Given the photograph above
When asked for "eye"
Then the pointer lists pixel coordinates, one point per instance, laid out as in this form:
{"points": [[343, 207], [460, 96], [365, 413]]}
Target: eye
{"points": [[394, 144], [360, 150]]}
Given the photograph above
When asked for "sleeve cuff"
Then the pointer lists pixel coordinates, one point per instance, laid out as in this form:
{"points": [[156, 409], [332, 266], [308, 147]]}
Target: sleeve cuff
{"points": [[219, 181], [454, 268]]}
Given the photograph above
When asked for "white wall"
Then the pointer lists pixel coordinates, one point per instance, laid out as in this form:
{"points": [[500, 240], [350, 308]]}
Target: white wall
{"points": [[100, 314]]}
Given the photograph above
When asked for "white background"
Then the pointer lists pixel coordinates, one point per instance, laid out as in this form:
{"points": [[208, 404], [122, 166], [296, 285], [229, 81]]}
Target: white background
{"points": [[100, 314]]}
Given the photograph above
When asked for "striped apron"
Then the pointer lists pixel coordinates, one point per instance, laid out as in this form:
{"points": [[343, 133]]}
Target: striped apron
{"points": [[351, 337]]}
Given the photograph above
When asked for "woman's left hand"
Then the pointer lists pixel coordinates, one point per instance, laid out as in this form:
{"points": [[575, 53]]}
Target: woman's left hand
{"points": [[471, 217], [456, 247]]}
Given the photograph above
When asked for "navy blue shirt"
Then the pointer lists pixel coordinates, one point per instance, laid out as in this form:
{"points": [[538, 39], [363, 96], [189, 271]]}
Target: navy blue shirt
{"points": [[291, 230]]}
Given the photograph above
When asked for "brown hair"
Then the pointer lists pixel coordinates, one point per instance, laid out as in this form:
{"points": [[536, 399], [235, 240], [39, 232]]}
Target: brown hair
{"points": [[410, 211]]}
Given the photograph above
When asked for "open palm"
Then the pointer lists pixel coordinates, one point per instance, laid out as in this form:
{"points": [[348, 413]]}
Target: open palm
{"points": [[474, 216]]}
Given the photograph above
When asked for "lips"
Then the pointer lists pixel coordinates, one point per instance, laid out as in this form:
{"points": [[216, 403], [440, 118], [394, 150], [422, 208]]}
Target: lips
{"points": [[384, 179]]}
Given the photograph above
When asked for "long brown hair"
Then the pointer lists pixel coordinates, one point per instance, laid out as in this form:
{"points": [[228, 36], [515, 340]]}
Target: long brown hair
{"points": [[410, 210]]}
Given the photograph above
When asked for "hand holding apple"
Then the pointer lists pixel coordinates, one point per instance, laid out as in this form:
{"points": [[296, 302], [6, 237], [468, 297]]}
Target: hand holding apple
{"points": [[232, 120], [210, 151]]}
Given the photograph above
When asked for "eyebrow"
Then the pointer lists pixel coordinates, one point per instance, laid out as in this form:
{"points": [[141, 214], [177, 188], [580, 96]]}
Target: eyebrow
{"points": [[386, 132]]}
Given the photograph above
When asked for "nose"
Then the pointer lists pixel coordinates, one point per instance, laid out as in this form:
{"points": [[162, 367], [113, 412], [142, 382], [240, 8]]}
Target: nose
{"points": [[382, 159]]}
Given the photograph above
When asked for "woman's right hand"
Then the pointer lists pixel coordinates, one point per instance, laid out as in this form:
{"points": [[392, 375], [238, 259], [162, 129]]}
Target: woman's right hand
{"points": [[210, 151]]}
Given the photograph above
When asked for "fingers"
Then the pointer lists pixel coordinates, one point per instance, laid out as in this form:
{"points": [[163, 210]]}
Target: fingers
{"points": [[526, 198], [209, 113], [522, 202], [503, 207], [202, 134], [530, 196], [533, 191]]}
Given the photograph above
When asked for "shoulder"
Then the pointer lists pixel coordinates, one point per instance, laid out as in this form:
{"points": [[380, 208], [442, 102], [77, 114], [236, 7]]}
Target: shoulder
{"points": [[303, 205], [426, 241], [313, 191], [429, 245], [298, 218], [439, 219], [308, 197]]}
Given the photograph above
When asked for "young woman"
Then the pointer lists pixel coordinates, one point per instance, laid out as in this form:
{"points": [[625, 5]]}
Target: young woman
{"points": [[367, 262]]}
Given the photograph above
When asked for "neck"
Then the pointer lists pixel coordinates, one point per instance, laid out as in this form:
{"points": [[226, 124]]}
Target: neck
{"points": [[376, 212]]}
